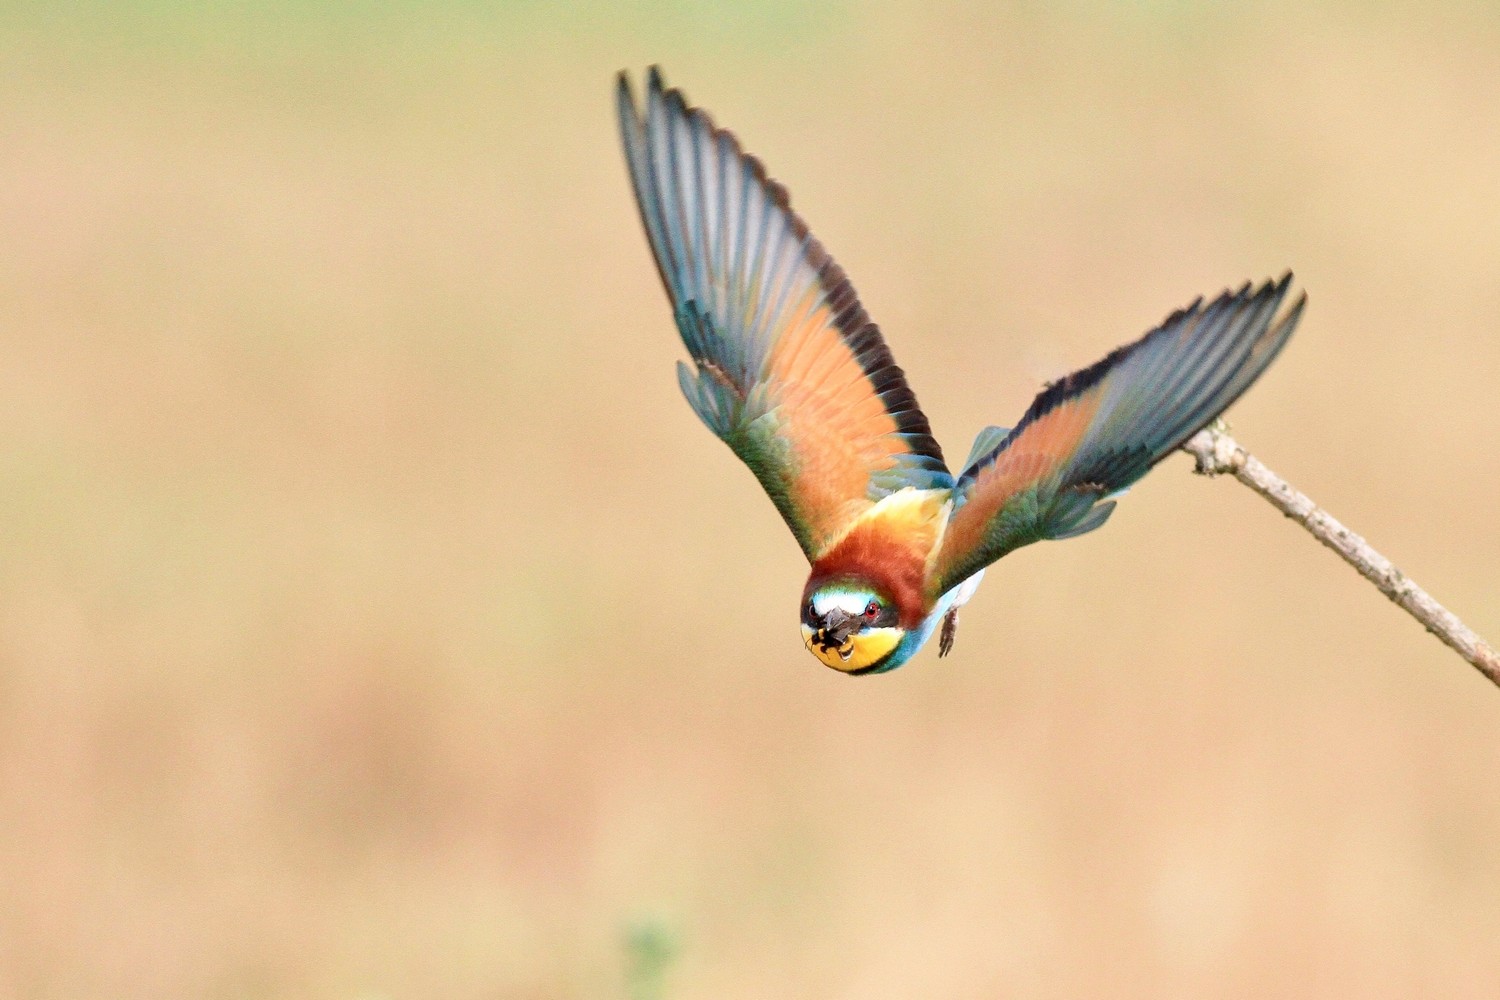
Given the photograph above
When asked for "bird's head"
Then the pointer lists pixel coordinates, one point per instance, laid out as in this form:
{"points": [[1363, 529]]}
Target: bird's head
{"points": [[851, 627]]}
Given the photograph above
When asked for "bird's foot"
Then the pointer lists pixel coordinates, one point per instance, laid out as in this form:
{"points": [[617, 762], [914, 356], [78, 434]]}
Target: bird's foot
{"points": [[950, 630]]}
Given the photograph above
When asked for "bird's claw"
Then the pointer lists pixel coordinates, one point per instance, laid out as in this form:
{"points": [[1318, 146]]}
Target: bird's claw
{"points": [[950, 630]]}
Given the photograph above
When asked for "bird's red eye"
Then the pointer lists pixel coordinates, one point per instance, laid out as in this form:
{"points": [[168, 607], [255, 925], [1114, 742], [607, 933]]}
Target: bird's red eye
{"points": [[872, 609]]}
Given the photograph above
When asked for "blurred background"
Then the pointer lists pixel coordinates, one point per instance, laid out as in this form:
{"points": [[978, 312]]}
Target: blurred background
{"points": [[376, 620]]}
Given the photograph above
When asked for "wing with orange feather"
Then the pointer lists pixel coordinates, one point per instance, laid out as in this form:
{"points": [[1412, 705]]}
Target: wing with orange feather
{"points": [[786, 366], [1094, 433]]}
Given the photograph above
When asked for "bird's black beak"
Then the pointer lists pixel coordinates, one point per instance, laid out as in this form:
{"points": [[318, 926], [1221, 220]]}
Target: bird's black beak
{"points": [[832, 632]]}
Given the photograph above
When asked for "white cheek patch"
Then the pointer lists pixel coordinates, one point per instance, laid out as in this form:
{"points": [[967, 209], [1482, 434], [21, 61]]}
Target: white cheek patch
{"points": [[847, 602]]}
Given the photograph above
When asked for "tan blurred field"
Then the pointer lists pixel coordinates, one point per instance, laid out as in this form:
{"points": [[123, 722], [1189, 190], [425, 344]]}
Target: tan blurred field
{"points": [[376, 620]]}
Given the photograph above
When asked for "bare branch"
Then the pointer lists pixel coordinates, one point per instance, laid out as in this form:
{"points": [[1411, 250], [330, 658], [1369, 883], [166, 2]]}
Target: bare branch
{"points": [[1218, 453]]}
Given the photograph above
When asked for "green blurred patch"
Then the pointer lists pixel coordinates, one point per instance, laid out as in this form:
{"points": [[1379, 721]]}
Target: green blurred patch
{"points": [[164, 25], [651, 946]]}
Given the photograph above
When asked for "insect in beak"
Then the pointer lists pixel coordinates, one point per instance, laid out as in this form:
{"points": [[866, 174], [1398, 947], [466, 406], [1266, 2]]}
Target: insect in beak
{"points": [[834, 633]]}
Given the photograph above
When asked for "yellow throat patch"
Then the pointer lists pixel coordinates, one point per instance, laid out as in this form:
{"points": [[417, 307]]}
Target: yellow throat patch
{"points": [[863, 648]]}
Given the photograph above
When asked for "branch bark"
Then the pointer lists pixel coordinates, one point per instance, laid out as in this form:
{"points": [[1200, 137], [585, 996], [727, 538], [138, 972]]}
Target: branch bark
{"points": [[1217, 453]]}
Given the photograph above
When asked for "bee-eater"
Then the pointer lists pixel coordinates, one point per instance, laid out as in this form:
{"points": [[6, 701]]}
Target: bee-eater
{"points": [[789, 371]]}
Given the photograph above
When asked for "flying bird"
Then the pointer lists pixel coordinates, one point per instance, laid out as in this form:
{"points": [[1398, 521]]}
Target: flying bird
{"points": [[789, 371]]}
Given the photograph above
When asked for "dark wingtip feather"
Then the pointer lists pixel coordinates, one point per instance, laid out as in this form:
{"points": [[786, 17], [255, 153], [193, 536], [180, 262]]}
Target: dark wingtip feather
{"points": [[1294, 313], [626, 110], [624, 98]]}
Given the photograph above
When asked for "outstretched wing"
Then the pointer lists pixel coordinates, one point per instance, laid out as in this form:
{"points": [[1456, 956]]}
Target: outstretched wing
{"points": [[787, 368], [1100, 429]]}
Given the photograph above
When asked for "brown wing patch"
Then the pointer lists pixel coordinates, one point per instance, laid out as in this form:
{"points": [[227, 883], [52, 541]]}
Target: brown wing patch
{"points": [[1042, 446], [837, 426]]}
